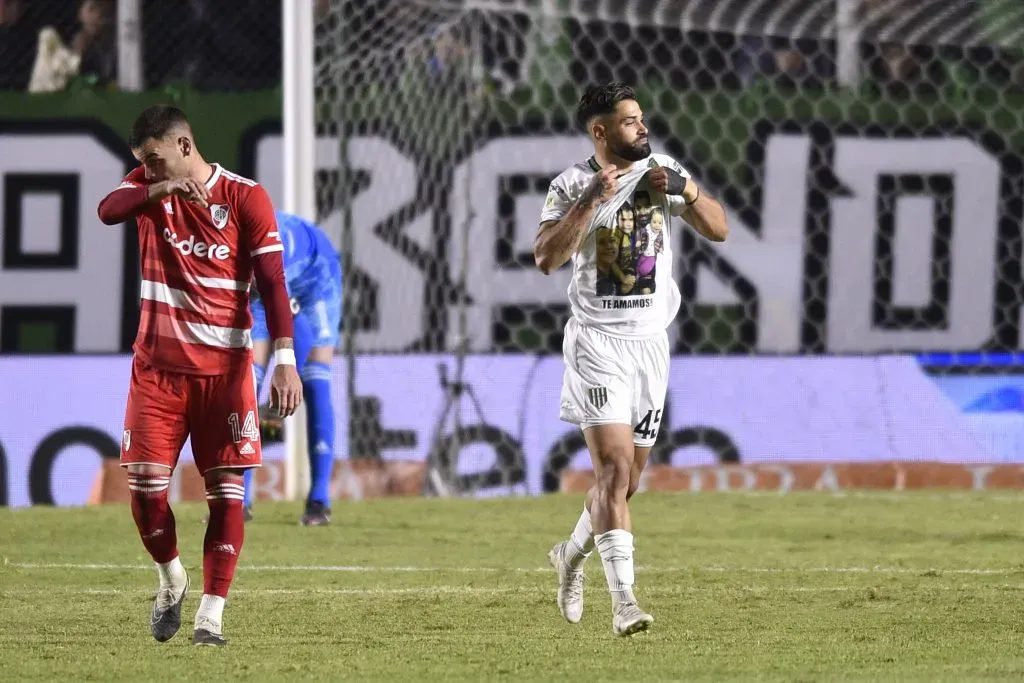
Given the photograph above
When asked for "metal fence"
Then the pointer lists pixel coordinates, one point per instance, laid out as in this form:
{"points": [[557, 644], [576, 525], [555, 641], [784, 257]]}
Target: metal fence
{"points": [[217, 45]]}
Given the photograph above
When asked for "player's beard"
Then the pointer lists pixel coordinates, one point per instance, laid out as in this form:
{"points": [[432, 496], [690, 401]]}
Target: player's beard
{"points": [[640, 149]]}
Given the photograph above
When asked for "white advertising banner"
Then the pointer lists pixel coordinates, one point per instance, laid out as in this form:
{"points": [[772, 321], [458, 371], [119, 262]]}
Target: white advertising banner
{"points": [[59, 417]]}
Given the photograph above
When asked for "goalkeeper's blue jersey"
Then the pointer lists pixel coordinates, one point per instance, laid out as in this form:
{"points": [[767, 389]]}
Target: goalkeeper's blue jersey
{"points": [[306, 250], [312, 272]]}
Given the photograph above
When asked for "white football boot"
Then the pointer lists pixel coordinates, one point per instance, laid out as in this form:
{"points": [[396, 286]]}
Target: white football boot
{"points": [[570, 585], [628, 618]]}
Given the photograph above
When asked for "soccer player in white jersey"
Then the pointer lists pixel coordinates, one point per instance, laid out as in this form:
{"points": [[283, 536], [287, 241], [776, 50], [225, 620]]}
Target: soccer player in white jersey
{"points": [[616, 345]]}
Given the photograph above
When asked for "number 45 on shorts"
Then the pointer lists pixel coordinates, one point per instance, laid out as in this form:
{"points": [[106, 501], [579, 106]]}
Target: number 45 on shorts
{"points": [[248, 429], [647, 428]]}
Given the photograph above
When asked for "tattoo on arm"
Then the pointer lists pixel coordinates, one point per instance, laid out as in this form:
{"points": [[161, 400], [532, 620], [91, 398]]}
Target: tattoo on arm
{"points": [[566, 238], [561, 239], [581, 210]]}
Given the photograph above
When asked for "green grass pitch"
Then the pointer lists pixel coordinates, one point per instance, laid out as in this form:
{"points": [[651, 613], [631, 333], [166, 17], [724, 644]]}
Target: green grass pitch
{"points": [[809, 587]]}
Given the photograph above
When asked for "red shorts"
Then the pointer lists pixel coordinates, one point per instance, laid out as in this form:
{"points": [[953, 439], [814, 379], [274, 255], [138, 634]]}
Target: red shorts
{"points": [[219, 412]]}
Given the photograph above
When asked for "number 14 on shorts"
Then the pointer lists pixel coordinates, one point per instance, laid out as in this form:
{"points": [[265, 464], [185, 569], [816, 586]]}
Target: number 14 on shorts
{"points": [[647, 428], [248, 429]]}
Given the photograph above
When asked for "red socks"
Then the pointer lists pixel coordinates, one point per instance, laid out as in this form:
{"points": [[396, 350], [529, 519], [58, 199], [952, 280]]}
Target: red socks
{"points": [[153, 516], [224, 535]]}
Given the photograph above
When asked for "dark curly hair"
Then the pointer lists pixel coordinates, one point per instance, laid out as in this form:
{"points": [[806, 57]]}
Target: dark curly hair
{"points": [[600, 100]]}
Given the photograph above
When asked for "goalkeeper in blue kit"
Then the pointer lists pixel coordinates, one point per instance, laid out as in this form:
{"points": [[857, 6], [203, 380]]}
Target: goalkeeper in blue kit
{"points": [[312, 269]]}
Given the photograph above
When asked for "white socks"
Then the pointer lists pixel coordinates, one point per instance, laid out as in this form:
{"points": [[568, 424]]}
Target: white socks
{"points": [[211, 611], [616, 550], [172, 576], [211, 607], [581, 543]]}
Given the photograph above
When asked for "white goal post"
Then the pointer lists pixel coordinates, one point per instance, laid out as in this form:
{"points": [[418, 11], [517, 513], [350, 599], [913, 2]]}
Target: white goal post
{"points": [[299, 186]]}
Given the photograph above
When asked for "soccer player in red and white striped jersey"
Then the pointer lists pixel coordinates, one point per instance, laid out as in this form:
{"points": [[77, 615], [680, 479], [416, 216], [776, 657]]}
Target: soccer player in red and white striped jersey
{"points": [[204, 234]]}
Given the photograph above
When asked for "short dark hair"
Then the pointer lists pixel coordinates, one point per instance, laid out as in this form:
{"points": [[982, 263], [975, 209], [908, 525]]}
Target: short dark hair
{"points": [[600, 100], [154, 123]]}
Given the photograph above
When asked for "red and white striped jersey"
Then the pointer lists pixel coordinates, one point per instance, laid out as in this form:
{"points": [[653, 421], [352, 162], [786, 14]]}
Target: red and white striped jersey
{"points": [[197, 265]]}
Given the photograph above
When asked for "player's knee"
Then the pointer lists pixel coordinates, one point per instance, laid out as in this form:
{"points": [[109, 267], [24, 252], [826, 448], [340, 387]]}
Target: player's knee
{"points": [[148, 487], [214, 478], [321, 354], [225, 489], [614, 472], [148, 470]]}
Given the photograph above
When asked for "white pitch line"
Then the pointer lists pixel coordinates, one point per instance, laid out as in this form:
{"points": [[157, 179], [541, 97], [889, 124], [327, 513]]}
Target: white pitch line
{"points": [[266, 568], [848, 570], [895, 496], [481, 590], [1003, 571], [414, 590]]}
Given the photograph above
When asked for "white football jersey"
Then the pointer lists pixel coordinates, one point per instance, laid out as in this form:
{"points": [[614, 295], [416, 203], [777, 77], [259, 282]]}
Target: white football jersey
{"points": [[622, 281]]}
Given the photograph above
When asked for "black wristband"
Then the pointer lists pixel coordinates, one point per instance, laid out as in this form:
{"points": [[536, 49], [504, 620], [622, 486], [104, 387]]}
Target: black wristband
{"points": [[695, 198], [676, 182]]}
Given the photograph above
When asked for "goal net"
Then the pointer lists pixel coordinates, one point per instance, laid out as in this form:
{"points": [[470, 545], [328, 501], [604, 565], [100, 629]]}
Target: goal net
{"points": [[868, 153]]}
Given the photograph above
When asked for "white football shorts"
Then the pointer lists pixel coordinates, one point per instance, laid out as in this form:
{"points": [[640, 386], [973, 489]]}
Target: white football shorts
{"points": [[609, 380]]}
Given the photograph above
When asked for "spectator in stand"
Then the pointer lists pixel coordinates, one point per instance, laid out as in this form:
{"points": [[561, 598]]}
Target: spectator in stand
{"points": [[90, 50], [17, 46], [899, 69], [788, 62], [95, 40]]}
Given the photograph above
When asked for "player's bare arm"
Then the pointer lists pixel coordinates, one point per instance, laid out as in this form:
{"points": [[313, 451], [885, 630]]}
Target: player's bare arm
{"points": [[702, 211], [705, 214], [557, 241]]}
